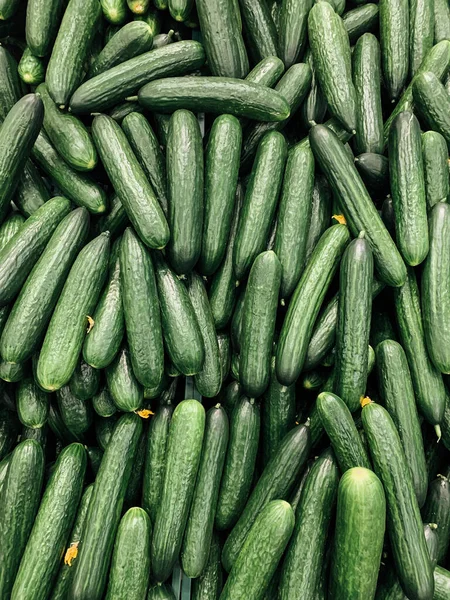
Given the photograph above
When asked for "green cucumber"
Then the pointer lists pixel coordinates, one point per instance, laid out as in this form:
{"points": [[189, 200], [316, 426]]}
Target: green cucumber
{"points": [[356, 204], [236, 322], [437, 510], [441, 584], [10, 87], [314, 106], [361, 20], [160, 591], [129, 182], [374, 170], [9, 428], [103, 403], [65, 334], [76, 414], [224, 342], [267, 72], [293, 29], [104, 429], [114, 11], [330, 49], [13, 372], [260, 29], [320, 213], [199, 528], [184, 346], [120, 111], [421, 32], [85, 381], [31, 192], [10, 227], [130, 564], [404, 524], [229, 396], [360, 526], [58, 427], [138, 7], [397, 392], [32, 404], [441, 21], [180, 10], [239, 463], [31, 68], [394, 39], [276, 481], [134, 490], [125, 389], [113, 86], [366, 77], [209, 585], [115, 220], [8, 9], [4, 465], [302, 564], [162, 39], [435, 164], [39, 435], [43, 18], [54, 520], [182, 462], [432, 102], [305, 304], [381, 328], [71, 48]]}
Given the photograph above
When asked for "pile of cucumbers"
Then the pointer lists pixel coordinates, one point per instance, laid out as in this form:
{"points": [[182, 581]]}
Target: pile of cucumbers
{"points": [[224, 299]]}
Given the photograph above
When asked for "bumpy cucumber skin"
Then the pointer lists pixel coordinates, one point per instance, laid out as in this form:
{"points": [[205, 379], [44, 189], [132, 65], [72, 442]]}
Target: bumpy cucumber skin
{"points": [[41, 25], [32, 404], [267, 72], [31, 68], [116, 220], [260, 29], [293, 29], [103, 403], [84, 381], [10, 227], [123, 386], [437, 510], [435, 164], [432, 103], [361, 20], [209, 585], [394, 38], [31, 192], [421, 32], [441, 21], [161, 591], [441, 584], [320, 213], [76, 414]]}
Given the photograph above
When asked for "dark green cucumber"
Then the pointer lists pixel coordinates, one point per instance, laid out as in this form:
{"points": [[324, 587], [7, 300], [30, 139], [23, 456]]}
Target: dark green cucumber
{"points": [[230, 395], [76, 186], [276, 481], [320, 213], [39, 435], [184, 346], [8, 9], [141, 310], [43, 18], [33, 308], [31, 68], [394, 38], [10, 87], [54, 520], [258, 323], [120, 111], [9, 428], [302, 564], [353, 322], [185, 190], [216, 95], [145, 145], [374, 170], [427, 381], [32, 404], [130, 564], [4, 465], [71, 48], [293, 30], [360, 526], [294, 217], [134, 490], [381, 328], [437, 510], [432, 102], [138, 7], [161, 591], [22, 251], [116, 220], [356, 204], [305, 304], [221, 174], [239, 463], [330, 49], [85, 381], [435, 164], [408, 188], [361, 20], [209, 585], [58, 427], [314, 106], [125, 389], [104, 428], [182, 462], [76, 414], [31, 192], [404, 524], [199, 528], [441, 21], [65, 334], [129, 182], [113, 86], [180, 10], [104, 510], [236, 322], [103, 403], [10, 227], [267, 72], [366, 77], [260, 29], [421, 33], [397, 393], [224, 342]]}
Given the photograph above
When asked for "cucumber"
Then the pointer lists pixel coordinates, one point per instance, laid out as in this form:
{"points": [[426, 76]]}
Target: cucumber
{"points": [[104, 429], [103, 403], [31, 68], [216, 95], [361, 20], [129, 182], [209, 379], [31, 192], [43, 18], [276, 481], [435, 154], [366, 77], [236, 323], [4, 465], [199, 528], [224, 342], [320, 213], [138, 7], [160, 591], [8, 9], [71, 48], [404, 525], [130, 565], [441, 584], [374, 170], [162, 124], [19, 255], [10, 227], [114, 85], [330, 49], [182, 462], [120, 111], [184, 346], [65, 334], [437, 510], [302, 564], [239, 463], [145, 145], [58, 427], [85, 381], [125, 390], [185, 190], [12, 372], [54, 520], [39, 435], [360, 526], [141, 311], [293, 29], [421, 33], [229, 396], [32, 404], [116, 220], [305, 304], [263, 549], [209, 585], [75, 185], [432, 101], [394, 39], [260, 202], [21, 493], [441, 21], [397, 393], [10, 87], [9, 429], [314, 106], [76, 413], [356, 204], [267, 72], [261, 32], [114, 11], [353, 322], [221, 175]]}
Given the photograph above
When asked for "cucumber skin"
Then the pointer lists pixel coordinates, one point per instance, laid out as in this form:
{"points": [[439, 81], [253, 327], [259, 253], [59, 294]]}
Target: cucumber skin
{"points": [[116, 220], [76, 414], [54, 520], [85, 381], [183, 456], [41, 25], [21, 493], [293, 30], [209, 585], [427, 381], [31, 192], [441, 583], [302, 565], [261, 32], [126, 392], [435, 151], [404, 523], [184, 165], [103, 403], [361, 20], [105, 509], [374, 170], [31, 68], [437, 510], [305, 304], [360, 526], [9, 228], [320, 213], [394, 38], [199, 528], [160, 591], [32, 404], [421, 34], [64, 338], [441, 21], [267, 72]]}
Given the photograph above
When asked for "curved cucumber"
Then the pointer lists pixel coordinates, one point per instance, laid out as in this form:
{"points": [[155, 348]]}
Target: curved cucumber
{"points": [[435, 165], [32, 404], [123, 386]]}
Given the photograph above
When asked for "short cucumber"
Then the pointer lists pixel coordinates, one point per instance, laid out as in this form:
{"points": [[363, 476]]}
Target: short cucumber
{"points": [[43, 18], [85, 381], [125, 389], [209, 585], [394, 38], [421, 33], [32, 404], [31, 192], [435, 165], [76, 414], [31, 68]]}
